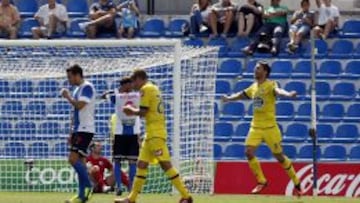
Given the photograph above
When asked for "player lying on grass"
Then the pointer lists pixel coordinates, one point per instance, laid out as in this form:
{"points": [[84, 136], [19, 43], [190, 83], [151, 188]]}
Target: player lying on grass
{"points": [[82, 128], [263, 93], [97, 164], [154, 146], [125, 130]]}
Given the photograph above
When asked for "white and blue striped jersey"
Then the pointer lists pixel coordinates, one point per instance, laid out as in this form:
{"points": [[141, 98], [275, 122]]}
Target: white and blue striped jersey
{"points": [[126, 125], [84, 119]]}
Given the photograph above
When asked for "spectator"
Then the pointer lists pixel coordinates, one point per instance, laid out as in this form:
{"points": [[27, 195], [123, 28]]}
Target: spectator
{"points": [[222, 17], [328, 19], [130, 13], [102, 19], [199, 16], [301, 24], [10, 19], [250, 18], [269, 36], [52, 18]]}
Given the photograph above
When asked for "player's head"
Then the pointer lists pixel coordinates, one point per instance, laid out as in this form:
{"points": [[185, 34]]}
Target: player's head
{"points": [[305, 5], [275, 2], [327, 2], [139, 78], [51, 3], [75, 74], [126, 84], [96, 148], [5, 2], [262, 70]]}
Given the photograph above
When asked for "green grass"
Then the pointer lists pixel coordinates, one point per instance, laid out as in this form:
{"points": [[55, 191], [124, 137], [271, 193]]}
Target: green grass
{"points": [[17, 197]]}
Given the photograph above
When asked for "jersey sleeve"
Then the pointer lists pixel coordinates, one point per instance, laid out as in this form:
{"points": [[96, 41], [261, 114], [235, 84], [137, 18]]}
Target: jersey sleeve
{"points": [[87, 94], [145, 99], [249, 92]]}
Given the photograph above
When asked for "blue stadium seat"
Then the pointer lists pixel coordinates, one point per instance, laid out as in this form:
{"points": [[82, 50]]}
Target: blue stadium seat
{"points": [[236, 46], [290, 151], [24, 130], [355, 153], [26, 26], [74, 30], [104, 110], [11, 109], [296, 133], [77, 8], [304, 112], [233, 111], [49, 130], [302, 70], [322, 90], [230, 69], [102, 129], [38, 150], [4, 88], [217, 41], [334, 153], [222, 87], [194, 42], [6, 130], [216, 110], [352, 70], [250, 113], [281, 69], [59, 109], [356, 53], [48, 88], [324, 133], [284, 111], [234, 151], [167, 86], [175, 27], [60, 149], [346, 133], [100, 85], [242, 85], [223, 132], [107, 149], [299, 87], [35, 110], [332, 112], [154, 27], [321, 46], [15, 150], [263, 152], [342, 49], [329, 69], [241, 132], [250, 66], [343, 91], [351, 29], [352, 113], [217, 151], [22, 88], [306, 152], [27, 8]]}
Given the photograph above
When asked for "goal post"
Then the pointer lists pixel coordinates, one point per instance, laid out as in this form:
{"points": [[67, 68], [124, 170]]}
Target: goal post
{"points": [[34, 120]]}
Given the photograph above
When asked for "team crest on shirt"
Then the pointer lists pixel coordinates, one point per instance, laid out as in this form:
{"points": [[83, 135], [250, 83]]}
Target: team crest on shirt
{"points": [[158, 152], [258, 102]]}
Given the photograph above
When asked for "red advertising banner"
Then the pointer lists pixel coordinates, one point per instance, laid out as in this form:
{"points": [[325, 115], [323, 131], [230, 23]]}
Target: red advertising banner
{"points": [[334, 179]]}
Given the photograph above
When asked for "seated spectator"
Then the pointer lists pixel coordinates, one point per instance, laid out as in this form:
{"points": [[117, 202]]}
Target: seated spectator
{"points": [[269, 36], [199, 16], [52, 18], [97, 164], [10, 19], [301, 24], [129, 19], [102, 19], [328, 19], [250, 18], [222, 18]]}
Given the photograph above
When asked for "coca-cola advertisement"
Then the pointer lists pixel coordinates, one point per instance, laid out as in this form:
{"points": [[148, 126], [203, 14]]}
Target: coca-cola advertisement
{"points": [[334, 179]]}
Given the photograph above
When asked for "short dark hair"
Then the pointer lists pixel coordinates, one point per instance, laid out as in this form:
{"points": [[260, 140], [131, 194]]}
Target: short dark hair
{"points": [[139, 73], [125, 80], [266, 67], [75, 70], [304, 1]]}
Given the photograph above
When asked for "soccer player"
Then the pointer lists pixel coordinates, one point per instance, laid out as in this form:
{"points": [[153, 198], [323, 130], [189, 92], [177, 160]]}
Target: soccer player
{"points": [[96, 165], [83, 128], [154, 146], [126, 130], [263, 92]]}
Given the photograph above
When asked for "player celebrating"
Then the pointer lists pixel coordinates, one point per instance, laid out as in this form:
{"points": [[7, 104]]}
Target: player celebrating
{"points": [[154, 146], [263, 92], [127, 130], [83, 128]]}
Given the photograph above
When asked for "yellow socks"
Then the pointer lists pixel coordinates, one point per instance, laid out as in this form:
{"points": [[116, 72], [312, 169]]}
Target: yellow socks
{"points": [[255, 167], [139, 181], [287, 165], [177, 182]]}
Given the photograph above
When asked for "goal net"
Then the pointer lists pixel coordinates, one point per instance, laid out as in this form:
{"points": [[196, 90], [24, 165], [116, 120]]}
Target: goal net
{"points": [[35, 120]]}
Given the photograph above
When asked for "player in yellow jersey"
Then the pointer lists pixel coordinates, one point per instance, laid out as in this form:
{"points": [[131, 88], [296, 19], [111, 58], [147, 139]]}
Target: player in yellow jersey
{"points": [[263, 92], [154, 146]]}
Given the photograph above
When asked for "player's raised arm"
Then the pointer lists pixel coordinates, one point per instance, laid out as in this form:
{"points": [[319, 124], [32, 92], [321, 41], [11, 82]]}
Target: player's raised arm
{"points": [[234, 97], [283, 93]]}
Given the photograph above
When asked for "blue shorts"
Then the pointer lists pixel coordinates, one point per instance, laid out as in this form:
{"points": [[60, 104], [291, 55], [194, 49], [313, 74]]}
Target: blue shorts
{"points": [[300, 28]]}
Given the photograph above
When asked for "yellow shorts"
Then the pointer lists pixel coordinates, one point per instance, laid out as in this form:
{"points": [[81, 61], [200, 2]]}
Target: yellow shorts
{"points": [[271, 136], [154, 150]]}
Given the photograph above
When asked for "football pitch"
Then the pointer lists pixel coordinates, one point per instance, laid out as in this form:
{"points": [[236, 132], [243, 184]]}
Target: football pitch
{"points": [[24, 197]]}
